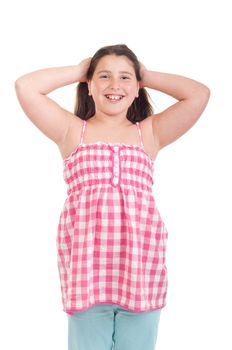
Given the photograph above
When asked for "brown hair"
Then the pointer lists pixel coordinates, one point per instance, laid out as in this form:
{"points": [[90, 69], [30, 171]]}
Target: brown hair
{"points": [[84, 105]]}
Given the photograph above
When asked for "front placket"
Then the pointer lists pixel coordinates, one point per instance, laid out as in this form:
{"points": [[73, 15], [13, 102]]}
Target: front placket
{"points": [[116, 166]]}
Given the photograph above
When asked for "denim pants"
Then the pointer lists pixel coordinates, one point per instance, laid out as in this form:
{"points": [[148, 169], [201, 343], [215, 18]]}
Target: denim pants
{"points": [[109, 326]]}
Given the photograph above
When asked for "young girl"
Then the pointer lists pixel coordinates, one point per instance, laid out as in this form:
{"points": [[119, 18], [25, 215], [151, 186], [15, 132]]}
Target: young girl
{"points": [[111, 238]]}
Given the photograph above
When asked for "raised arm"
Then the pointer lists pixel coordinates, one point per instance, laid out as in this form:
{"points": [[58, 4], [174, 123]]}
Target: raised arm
{"points": [[176, 120], [46, 114]]}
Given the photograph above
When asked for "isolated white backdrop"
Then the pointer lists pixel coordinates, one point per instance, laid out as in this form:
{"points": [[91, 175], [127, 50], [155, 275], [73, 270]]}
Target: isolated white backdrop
{"points": [[192, 176]]}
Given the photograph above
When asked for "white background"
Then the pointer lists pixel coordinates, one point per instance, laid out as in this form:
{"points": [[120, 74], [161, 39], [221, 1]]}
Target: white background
{"points": [[192, 175]]}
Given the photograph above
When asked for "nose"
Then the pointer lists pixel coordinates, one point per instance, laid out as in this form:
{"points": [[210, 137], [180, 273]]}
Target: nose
{"points": [[114, 84]]}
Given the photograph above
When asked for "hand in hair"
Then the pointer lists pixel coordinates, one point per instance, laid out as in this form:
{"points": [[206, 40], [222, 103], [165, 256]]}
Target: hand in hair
{"points": [[84, 66], [143, 69]]}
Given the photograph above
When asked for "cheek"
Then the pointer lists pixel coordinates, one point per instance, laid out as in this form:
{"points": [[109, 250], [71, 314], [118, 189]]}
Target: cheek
{"points": [[133, 91], [98, 88], [133, 88]]}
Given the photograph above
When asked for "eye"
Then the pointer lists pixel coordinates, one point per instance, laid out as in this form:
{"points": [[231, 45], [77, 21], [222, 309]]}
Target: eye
{"points": [[125, 77], [104, 76]]}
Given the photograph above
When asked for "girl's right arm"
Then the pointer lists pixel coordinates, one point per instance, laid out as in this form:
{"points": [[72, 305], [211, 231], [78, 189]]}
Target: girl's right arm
{"points": [[46, 114]]}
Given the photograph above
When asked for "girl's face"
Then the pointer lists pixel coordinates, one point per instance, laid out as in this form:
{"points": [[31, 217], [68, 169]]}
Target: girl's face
{"points": [[114, 85]]}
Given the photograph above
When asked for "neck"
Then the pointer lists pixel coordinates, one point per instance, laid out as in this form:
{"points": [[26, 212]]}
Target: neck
{"points": [[111, 121]]}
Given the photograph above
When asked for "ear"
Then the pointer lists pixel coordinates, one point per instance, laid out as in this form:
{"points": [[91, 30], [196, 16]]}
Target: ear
{"points": [[89, 87], [138, 87]]}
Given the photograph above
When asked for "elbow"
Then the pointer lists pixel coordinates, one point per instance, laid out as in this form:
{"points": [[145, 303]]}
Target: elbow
{"points": [[22, 84], [18, 84], [202, 94], [206, 94], [205, 91], [203, 97]]}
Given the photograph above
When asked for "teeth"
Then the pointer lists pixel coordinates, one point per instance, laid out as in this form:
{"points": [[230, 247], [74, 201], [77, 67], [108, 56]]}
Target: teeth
{"points": [[114, 97]]}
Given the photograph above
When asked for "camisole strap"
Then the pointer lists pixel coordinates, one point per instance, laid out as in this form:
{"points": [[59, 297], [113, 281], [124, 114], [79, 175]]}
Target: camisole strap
{"points": [[137, 123], [83, 131], [140, 134]]}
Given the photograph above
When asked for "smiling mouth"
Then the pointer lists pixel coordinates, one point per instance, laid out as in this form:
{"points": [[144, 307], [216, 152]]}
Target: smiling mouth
{"points": [[114, 97]]}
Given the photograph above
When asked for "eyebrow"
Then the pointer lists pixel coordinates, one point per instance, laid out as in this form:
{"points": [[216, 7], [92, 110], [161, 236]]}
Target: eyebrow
{"points": [[108, 71]]}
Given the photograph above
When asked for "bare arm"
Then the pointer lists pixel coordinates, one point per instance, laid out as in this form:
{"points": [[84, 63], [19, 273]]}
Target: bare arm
{"points": [[176, 120], [46, 114]]}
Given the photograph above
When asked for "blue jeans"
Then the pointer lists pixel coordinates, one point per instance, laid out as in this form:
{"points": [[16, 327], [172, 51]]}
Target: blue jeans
{"points": [[109, 326]]}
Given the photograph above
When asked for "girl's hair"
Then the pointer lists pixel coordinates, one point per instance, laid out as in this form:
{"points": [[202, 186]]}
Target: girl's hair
{"points": [[84, 105]]}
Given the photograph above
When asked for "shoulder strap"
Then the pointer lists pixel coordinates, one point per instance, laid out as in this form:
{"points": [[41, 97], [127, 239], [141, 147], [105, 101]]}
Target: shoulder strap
{"points": [[140, 134], [82, 131]]}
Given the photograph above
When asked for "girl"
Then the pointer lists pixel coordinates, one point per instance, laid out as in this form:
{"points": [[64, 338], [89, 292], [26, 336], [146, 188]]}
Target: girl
{"points": [[111, 239]]}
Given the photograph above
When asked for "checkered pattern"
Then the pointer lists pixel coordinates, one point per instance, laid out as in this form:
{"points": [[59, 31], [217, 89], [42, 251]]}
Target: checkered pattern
{"points": [[111, 239]]}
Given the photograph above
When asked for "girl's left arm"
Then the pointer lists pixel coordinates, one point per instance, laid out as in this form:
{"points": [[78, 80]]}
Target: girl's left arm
{"points": [[176, 120]]}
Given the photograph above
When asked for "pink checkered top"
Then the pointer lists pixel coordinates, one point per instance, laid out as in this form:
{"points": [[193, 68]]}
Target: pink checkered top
{"points": [[111, 239]]}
